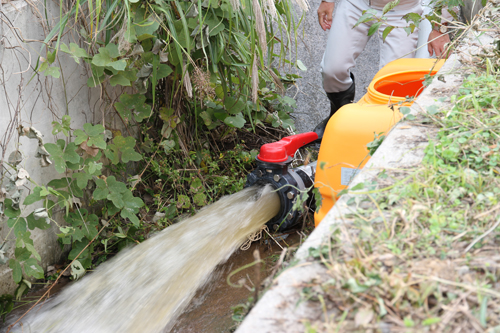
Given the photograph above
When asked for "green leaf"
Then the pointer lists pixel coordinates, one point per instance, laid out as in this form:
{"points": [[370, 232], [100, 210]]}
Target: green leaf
{"points": [[57, 183], [93, 130], [367, 16], [200, 199], [290, 101], [119, 79], [116, 186], [34, 223], [80, 136], [32, 250], [18, 224], [33, 197], [116, 198], [431, 321], [53, 71], [22, 254], [82, 179], [119, 65], [408, 322], [355, 287], [70, 153], [163, 71], [236, 121], [75, 51], [374, 28], [133, 105], [56, 154], [390, 6], [233, 105], [85, 257], [359, 186], [404, 110], [101, 192], [126, 146], [301, 65], [387, 31], [51, 56], [17, 272]]}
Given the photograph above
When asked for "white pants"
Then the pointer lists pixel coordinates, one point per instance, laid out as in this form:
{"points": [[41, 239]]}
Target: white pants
{"points": [[345, 43]]}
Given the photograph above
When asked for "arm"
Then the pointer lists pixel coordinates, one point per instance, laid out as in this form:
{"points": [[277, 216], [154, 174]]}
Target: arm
{"points": [[439, 38], [437, 43], [325, 12]]}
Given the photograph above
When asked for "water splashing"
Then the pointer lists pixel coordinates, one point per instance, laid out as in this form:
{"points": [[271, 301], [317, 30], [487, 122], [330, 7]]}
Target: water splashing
{"points": [[145, 288]]}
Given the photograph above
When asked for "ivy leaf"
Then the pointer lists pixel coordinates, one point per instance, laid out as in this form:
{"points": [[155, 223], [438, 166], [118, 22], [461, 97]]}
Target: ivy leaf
{"points": [[9, 211], [56, 153], [96, 135], [131, 207], [82, 179], [31, 268], [81, 136], [126, 147], [103, 58], [133, 106], [101, 192], [116, 198], [85, 257], [18, 224], [70, 153], [116, 186], [33, 197], [22, 254], [55, 72], [17, 272], [32, 250], [75, 51], [36, 223], [119, 79], [64, 126], [119, 65]]}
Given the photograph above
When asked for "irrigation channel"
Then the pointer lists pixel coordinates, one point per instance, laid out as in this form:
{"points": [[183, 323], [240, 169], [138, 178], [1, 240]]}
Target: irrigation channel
{"points": [[148, 286]]}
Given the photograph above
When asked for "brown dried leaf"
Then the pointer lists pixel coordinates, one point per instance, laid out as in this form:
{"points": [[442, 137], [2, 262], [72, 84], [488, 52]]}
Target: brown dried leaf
{"points": [[92, 151]]}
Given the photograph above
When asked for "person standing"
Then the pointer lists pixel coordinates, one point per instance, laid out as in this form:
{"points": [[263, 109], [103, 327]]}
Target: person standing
{"points": [[345, 43]]}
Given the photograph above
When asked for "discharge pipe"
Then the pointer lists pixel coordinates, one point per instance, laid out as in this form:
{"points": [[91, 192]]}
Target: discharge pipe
{"points": [[274, 167]]}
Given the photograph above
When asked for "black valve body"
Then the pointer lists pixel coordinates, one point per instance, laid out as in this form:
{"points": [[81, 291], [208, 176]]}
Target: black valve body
{"points": [[288, 182]]}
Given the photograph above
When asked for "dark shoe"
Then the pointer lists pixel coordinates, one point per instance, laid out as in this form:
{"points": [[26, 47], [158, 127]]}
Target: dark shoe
{"points": [[337, 100]]}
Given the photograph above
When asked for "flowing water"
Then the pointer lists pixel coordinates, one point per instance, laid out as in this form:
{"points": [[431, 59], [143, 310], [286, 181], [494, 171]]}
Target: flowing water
{"points": [[145, 288]]}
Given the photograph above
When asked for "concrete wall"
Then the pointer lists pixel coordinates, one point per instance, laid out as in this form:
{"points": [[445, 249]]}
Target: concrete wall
{"points": [[29, 99]]}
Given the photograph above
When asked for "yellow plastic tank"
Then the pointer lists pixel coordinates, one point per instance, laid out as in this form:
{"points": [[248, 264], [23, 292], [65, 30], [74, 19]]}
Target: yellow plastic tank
{"points": [[343, 149]]}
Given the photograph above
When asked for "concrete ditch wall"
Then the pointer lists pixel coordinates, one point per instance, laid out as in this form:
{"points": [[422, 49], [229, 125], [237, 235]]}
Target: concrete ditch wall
{"points": [[280, 309], [34, 100]]}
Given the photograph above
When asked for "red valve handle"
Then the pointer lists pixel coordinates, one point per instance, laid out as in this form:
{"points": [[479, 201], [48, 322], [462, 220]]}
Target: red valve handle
{"points": [[280, 151]]}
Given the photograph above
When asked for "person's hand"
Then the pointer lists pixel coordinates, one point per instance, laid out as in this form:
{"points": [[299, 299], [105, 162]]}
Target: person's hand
{"points": [[325, 12], [437, 44]]}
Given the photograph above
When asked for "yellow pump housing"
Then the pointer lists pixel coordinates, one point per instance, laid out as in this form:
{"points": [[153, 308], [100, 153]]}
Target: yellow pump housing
{"points": [[343, 149]]}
